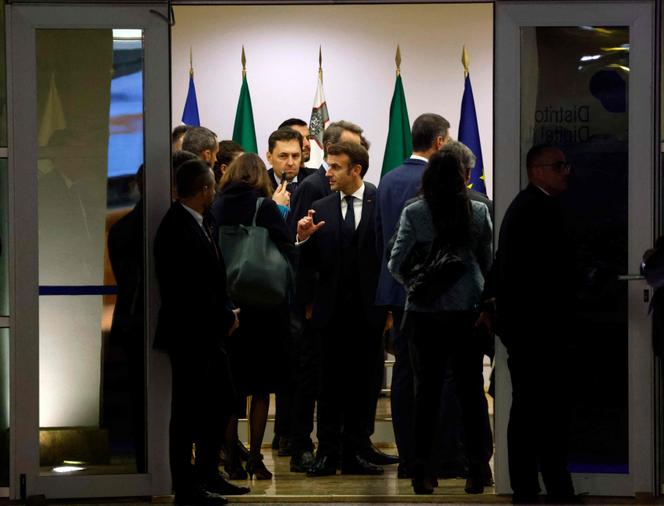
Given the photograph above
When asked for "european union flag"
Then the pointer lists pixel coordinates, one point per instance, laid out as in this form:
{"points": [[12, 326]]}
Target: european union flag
{"points": [[190, 114], [469, 134]]}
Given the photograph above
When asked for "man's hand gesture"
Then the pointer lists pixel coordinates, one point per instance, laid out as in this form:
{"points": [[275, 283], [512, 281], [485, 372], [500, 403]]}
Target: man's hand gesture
{"points": [[306, 226]]}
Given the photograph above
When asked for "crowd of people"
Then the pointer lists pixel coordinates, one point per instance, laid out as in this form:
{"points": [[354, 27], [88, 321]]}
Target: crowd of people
{"points": [[410, 259]]}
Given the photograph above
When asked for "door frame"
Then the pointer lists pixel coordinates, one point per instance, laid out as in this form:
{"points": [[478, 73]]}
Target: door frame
{"points": [[22, 21], [510, 16]]}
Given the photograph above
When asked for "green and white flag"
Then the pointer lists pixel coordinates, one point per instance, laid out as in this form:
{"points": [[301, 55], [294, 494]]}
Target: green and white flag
{"points": [[319, 119]]}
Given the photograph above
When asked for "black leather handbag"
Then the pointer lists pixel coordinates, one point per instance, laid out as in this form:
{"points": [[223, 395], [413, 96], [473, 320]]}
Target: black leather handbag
{"points": [[257, 273], [433, 276]]}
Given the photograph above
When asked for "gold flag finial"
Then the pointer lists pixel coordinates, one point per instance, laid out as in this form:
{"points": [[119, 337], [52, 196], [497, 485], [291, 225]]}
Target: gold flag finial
{"points": [[465, 60], [320, 62], [191, 62], [397, 60], [244, 63]]}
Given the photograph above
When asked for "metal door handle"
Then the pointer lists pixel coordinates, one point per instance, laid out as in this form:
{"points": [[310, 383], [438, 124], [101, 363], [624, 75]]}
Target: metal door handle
{"points": [[631, 277]]}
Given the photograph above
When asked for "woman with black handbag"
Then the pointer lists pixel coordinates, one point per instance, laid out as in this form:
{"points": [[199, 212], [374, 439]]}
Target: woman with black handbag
{"points": [[441, 254], [257, 352]]}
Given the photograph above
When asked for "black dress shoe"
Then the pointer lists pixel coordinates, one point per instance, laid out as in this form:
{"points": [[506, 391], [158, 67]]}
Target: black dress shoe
{"points": [[422, 486], [301, 462], [355, 464], [323, 465], [199, 497], [219, 485], [374, 456]]}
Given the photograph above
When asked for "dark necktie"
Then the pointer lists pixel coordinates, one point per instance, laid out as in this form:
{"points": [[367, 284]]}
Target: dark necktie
{"points": [[291, 187], [349, 220]]}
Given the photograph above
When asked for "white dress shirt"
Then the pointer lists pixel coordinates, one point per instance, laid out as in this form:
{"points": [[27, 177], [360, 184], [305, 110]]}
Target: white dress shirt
{"points": [[357, 205]]}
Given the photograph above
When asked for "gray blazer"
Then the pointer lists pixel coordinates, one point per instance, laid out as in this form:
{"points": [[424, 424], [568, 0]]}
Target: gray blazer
{"points": [[416, 226]]}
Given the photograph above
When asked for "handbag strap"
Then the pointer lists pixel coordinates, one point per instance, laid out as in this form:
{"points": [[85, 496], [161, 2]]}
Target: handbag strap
{"points": [[259, 201]]}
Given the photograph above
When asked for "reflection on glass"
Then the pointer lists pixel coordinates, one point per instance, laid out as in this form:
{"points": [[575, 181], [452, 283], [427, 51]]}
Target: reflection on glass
{"points": [[4, 240], [4, 407], [574, 95], [90, 145], [3, 80]]}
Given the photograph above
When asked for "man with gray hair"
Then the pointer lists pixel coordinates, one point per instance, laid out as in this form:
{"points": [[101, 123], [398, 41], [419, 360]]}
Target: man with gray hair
{"points": [[430, 133], [317, 186], [203, 143], [467, 159]]}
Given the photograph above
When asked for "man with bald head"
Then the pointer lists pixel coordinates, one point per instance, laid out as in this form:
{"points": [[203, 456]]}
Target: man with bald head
{"points": [[534, 307]]}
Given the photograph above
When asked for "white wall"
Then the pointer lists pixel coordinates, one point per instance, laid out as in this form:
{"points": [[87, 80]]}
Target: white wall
{"points": [[359, 44]]}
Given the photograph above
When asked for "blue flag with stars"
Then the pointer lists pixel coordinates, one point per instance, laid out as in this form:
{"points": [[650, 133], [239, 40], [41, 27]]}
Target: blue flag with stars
{"points": [[469, 134], [190, 113]]}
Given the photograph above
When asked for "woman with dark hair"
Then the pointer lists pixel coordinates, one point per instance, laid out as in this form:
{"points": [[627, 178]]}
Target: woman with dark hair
{"points": [[254, 350], [440, 323]]}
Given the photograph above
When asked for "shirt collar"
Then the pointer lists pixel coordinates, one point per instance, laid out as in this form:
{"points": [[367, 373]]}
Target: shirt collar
{"points": [[359, 193], [197, 216], [418, 157], [278, 179]]}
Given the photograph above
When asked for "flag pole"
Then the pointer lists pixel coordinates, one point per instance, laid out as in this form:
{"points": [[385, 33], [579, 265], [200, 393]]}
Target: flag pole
{"points": [[191, 62], [320, 63], [397, 60], [244, 63], [465, 60]]}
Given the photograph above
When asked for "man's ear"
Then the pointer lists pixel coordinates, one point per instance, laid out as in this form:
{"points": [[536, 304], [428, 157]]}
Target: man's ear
{"points": [[357, 169]]}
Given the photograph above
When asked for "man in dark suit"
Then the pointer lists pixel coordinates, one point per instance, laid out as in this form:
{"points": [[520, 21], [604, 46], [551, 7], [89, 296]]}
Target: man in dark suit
{"points": [[284, 154], [430, 132], [126, 253], [314, 187], [203, 143], [343, 253], [285, 150], [534, 307], [195, 317]]}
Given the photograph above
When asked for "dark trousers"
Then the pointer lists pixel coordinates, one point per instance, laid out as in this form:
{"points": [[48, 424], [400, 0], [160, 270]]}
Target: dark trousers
{"points": [[402, 391], [202, 399], [305, 384], [439, 340], [347, 349], [538, 427]]}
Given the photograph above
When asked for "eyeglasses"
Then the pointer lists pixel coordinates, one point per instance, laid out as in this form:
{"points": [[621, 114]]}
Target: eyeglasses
{"points": [[557, 166]]}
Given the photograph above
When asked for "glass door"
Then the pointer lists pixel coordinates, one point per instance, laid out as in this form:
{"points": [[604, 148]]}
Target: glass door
{"points": [[584, 83], [90, 173]]}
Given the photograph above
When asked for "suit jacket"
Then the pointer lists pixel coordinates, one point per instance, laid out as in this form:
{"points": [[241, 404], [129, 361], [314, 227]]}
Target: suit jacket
{"points": [[396, 187], [534, 266], [314, 187], [322, 254], [480, 197], [125, 252], [301, 176], [195, 313]]}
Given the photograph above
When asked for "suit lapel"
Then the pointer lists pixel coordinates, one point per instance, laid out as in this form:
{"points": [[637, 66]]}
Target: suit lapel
{"points": [[195, 227]]}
